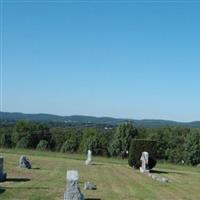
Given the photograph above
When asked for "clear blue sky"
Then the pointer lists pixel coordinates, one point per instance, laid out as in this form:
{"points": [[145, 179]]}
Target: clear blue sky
{"points": [[135, 60]]}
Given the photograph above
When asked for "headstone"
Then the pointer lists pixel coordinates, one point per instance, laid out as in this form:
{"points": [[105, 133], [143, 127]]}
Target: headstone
{"points": [[145, 161], [3, 175], [73, 191], [24, 162], [89, 186], [159, 178], [89, 158]]}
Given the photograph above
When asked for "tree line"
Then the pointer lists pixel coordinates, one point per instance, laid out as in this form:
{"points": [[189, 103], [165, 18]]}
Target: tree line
{"points": [[174, 144]]}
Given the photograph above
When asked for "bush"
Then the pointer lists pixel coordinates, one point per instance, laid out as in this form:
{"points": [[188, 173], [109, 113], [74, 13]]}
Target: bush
{"points": [[42, 145], [135, 151]]}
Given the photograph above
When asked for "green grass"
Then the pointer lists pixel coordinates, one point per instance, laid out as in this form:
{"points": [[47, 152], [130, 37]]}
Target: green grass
{"points": [[114, 179]]}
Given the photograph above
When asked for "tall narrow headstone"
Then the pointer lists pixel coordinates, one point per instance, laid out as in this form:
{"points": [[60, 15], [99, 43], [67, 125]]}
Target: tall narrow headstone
{"points": [[145, 161], [89, 158], [3, 175], [72, 190]]}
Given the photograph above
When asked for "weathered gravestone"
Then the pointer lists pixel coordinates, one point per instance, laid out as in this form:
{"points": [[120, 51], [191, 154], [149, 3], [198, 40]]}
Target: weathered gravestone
{"points": [[159, 178], [73, 191], [24, 162], [89, 158], [145, 169], [3, 175], [145, 161], [89, 186]]}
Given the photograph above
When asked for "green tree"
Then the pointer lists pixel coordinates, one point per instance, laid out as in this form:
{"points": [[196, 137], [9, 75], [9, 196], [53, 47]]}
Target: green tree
{"points": [[72, 143], [161, 135], [6, 140], [94, 139], [122, 139], [42, 145], [192, 147], [23, 143], [175, 147]]}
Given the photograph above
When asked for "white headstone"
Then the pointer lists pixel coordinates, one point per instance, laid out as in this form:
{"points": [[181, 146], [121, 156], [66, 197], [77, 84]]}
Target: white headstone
{"points": [[72, 175], [72, 190], [89, 158], [145, 161]]}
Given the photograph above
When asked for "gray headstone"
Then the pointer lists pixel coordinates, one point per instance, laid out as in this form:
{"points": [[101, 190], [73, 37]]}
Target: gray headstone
{"points": [[145, 161], [3, 175], [89, 158], [73, 191], [24, 162], [89, 186], [159, 178]]}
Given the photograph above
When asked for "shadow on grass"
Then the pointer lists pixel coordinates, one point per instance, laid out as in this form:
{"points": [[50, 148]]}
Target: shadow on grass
{"points": [[18, 179], [2, 190], [26, 188], [36, 168], [166, 172], [93, 199], [159, 172], [99, 164]]}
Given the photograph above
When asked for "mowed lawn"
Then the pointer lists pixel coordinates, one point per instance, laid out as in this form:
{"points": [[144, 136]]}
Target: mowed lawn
{"points": [[114, 179]]}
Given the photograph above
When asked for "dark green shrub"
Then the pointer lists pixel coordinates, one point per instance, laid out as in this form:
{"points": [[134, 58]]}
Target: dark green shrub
{"points": [[135, 151], [152, 162], [42, 145]]}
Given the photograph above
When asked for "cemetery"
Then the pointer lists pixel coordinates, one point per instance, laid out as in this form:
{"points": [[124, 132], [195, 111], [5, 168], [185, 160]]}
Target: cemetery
{"points": [[57, 176], [99, 100]]}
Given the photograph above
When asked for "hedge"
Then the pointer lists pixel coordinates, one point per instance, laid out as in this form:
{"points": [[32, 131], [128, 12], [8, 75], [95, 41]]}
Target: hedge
{"points": [[135, 151]]}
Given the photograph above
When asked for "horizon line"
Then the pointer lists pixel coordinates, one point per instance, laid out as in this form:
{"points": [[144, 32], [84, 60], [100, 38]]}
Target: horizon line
{"points": [[104, 116]]}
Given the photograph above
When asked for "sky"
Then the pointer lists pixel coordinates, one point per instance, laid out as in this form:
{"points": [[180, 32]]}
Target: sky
{"points": [[125, 59]]}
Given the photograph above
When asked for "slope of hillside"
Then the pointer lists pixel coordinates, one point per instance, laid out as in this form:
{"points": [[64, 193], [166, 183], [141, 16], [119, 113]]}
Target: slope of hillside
{"points": [[114, 179]]}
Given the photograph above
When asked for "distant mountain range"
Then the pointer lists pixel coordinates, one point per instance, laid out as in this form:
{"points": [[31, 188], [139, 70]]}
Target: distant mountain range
{"points": [[147, 123]]}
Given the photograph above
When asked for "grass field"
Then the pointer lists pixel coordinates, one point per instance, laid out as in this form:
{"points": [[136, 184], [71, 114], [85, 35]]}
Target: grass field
{"points": [[114, 179]]}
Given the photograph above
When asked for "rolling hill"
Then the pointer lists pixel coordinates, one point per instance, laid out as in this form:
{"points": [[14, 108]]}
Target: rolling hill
{"points": [[147, 123]]}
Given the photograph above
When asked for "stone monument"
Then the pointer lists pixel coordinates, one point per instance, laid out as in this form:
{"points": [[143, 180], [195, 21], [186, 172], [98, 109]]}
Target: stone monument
{"points": [[89, 186], [89, 158], [145, 161], [3, 174], [24, 162], [73, 191]]}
